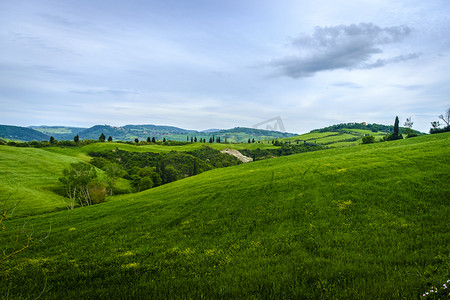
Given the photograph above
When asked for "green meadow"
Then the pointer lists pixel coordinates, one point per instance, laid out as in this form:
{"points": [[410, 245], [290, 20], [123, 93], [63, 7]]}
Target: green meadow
{"points": [[361, 222], [335, 139]]}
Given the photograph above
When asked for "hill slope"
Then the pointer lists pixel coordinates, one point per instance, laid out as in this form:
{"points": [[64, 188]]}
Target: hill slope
{"points": [[21, 133], [60, 133], [131, 132], [356, 222], [30, 176]]}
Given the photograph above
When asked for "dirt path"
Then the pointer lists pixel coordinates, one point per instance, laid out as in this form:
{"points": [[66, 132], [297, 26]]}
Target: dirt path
{"points": [[239, 155]]}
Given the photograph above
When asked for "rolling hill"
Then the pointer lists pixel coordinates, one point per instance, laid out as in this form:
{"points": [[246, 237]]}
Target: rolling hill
{"points": [[18, 133], [131, 132], [59, 132], [366, 222]]}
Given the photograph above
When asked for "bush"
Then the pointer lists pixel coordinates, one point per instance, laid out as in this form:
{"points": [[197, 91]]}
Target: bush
{"points": [[439, 130], [369, 139], [97, 191]]}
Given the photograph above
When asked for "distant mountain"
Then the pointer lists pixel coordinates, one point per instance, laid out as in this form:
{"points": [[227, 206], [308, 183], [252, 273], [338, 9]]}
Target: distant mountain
{"points": [[18, 133], [211, 130], [141, 132], [131, 132], [242, 134]]}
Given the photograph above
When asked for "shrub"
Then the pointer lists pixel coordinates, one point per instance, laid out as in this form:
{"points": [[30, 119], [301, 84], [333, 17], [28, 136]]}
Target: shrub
{"points": [[97, 191], [369, 139]]}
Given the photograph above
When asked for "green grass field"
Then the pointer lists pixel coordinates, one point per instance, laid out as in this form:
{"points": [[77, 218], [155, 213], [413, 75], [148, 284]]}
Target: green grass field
{"points": [[362, 222], [30, 176], [345, 138]]}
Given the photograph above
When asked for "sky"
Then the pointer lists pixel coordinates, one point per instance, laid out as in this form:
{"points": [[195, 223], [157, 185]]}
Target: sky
{"points": [[204, 64]]}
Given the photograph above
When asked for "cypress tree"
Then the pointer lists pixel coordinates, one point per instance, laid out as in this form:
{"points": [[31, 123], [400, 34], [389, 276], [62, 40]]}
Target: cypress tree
{"points": [[110, 139], [102, 137], [153, 140], [76, 138], [195, 171], [395, 135]]}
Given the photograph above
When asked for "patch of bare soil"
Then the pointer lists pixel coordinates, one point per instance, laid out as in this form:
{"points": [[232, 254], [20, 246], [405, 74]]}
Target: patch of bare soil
{"points": [[239, 155]]}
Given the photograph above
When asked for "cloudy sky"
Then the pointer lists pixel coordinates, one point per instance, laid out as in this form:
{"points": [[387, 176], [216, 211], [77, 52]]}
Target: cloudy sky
{"points": [[202, 64]]}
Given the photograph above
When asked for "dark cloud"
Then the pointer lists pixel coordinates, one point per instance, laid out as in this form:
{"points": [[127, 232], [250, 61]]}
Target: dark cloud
{"points": [[341, 47]]}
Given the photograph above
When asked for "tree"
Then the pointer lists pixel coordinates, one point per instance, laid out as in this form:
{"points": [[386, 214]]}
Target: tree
{"points": [[110, 139], [369, 139], [408, 127], [195, 169], [164, 140], [52, 140], [102, 137], [446, 117], [395, 135], [435, 125], [97, 191], [136, 140], [195, 139], [113, 171], [170, 174], [153, 140], [75, 181], [396, 126], [249, 141], [76, 138]]}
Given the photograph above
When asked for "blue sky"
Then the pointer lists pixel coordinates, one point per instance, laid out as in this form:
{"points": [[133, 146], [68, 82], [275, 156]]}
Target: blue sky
{"points": [[220, 64]]}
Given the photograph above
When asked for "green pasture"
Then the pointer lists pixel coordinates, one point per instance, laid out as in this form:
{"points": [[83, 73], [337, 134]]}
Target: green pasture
{"points": [[363, 222], [335, 139], [30, 176]]}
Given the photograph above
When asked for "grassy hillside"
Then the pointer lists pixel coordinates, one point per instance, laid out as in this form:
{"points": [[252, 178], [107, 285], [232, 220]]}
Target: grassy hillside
{"points": [[59, 132], [365, 222], [21, 133], [342, 138], [30, 176]]}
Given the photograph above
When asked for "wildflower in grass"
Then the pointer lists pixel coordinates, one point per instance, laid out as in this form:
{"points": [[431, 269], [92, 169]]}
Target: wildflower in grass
{"points": [[433, 292]]}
